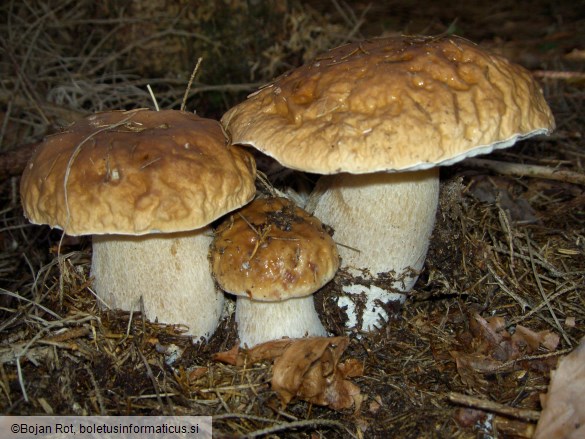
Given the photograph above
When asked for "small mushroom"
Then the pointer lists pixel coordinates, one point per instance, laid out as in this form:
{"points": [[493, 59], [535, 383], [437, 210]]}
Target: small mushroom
{"points": [[145, 184], [273, 255], [382, 115]]}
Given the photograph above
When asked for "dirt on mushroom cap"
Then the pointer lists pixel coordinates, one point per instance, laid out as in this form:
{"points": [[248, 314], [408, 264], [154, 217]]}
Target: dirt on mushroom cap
{"points": [[272, 250]]}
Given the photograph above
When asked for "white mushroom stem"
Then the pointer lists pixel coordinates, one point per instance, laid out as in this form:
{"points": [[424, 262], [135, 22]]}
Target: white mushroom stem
{"points": [[382, 223], [170, 271], [263, 321]]}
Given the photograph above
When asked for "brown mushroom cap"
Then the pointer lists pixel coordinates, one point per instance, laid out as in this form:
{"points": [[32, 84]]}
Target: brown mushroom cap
{"points": [[272, 250], [391, 104], [136, 172]]}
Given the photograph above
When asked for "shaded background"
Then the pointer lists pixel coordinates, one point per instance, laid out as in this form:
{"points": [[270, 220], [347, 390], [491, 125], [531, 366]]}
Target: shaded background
{"points": [[62, 60]]}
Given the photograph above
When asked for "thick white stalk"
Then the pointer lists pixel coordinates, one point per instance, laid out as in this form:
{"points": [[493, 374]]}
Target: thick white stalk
{"points": [[170, 271], [263, 321], [382, 223]]}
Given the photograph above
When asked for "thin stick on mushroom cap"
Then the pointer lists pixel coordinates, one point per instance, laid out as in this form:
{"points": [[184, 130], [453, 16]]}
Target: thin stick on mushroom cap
{"points": [[274, 256], [391, 110], [145, 184]]}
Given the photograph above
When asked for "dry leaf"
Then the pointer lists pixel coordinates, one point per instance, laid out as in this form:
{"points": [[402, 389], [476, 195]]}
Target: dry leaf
{"points": [[197, 373], [307, 368], [468, 417], [493, 348], [563, 415], [264, 351], [229, 357]]}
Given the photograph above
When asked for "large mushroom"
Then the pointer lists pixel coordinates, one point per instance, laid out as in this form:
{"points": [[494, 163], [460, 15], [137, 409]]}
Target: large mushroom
{"points": [[382, 115], [273, 255], [146, 185]]}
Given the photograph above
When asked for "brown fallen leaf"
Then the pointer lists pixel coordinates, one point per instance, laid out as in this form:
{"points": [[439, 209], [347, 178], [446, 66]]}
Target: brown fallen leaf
{"points": [[494, 349], [468, 417], [269, 350], [307, 368], [563, 414]]}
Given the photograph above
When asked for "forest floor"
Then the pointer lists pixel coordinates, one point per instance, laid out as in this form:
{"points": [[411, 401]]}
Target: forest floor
{"points": [[502, 294]]}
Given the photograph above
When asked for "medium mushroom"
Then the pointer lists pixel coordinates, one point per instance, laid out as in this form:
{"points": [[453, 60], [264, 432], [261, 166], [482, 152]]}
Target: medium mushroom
{"points": [[146, 185], [382, 115], [273, 255]]}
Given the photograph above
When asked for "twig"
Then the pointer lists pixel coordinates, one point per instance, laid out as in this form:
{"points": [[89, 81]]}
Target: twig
{"points": [[244, 416], [68, 335], [523, 303], [504, 366], [525, 170], [491, 406], [190, 83], [295, 425], [38, 305], [555, 74], [540, 305]]}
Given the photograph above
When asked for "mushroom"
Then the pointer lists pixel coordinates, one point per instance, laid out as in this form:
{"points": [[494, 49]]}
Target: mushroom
{"points": [[382, 115], [146, 185], [274, 256]]}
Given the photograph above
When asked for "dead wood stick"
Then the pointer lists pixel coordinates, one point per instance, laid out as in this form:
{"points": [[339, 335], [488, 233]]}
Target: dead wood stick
{"points": [[491, 406], [525, 170], [81, 331], [305, 423], [557, 74], [13, 161]]}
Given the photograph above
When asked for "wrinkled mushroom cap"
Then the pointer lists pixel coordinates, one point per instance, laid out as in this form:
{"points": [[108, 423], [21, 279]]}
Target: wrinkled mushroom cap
{"points": [[391, 104], [272, 250], [136, 172]]}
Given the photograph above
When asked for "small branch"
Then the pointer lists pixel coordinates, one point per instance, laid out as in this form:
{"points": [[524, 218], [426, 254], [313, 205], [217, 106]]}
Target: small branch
{"points": [[494, 407], [524, 170], [190, 83], [309, 423], [556, 74], [13, 161]]}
